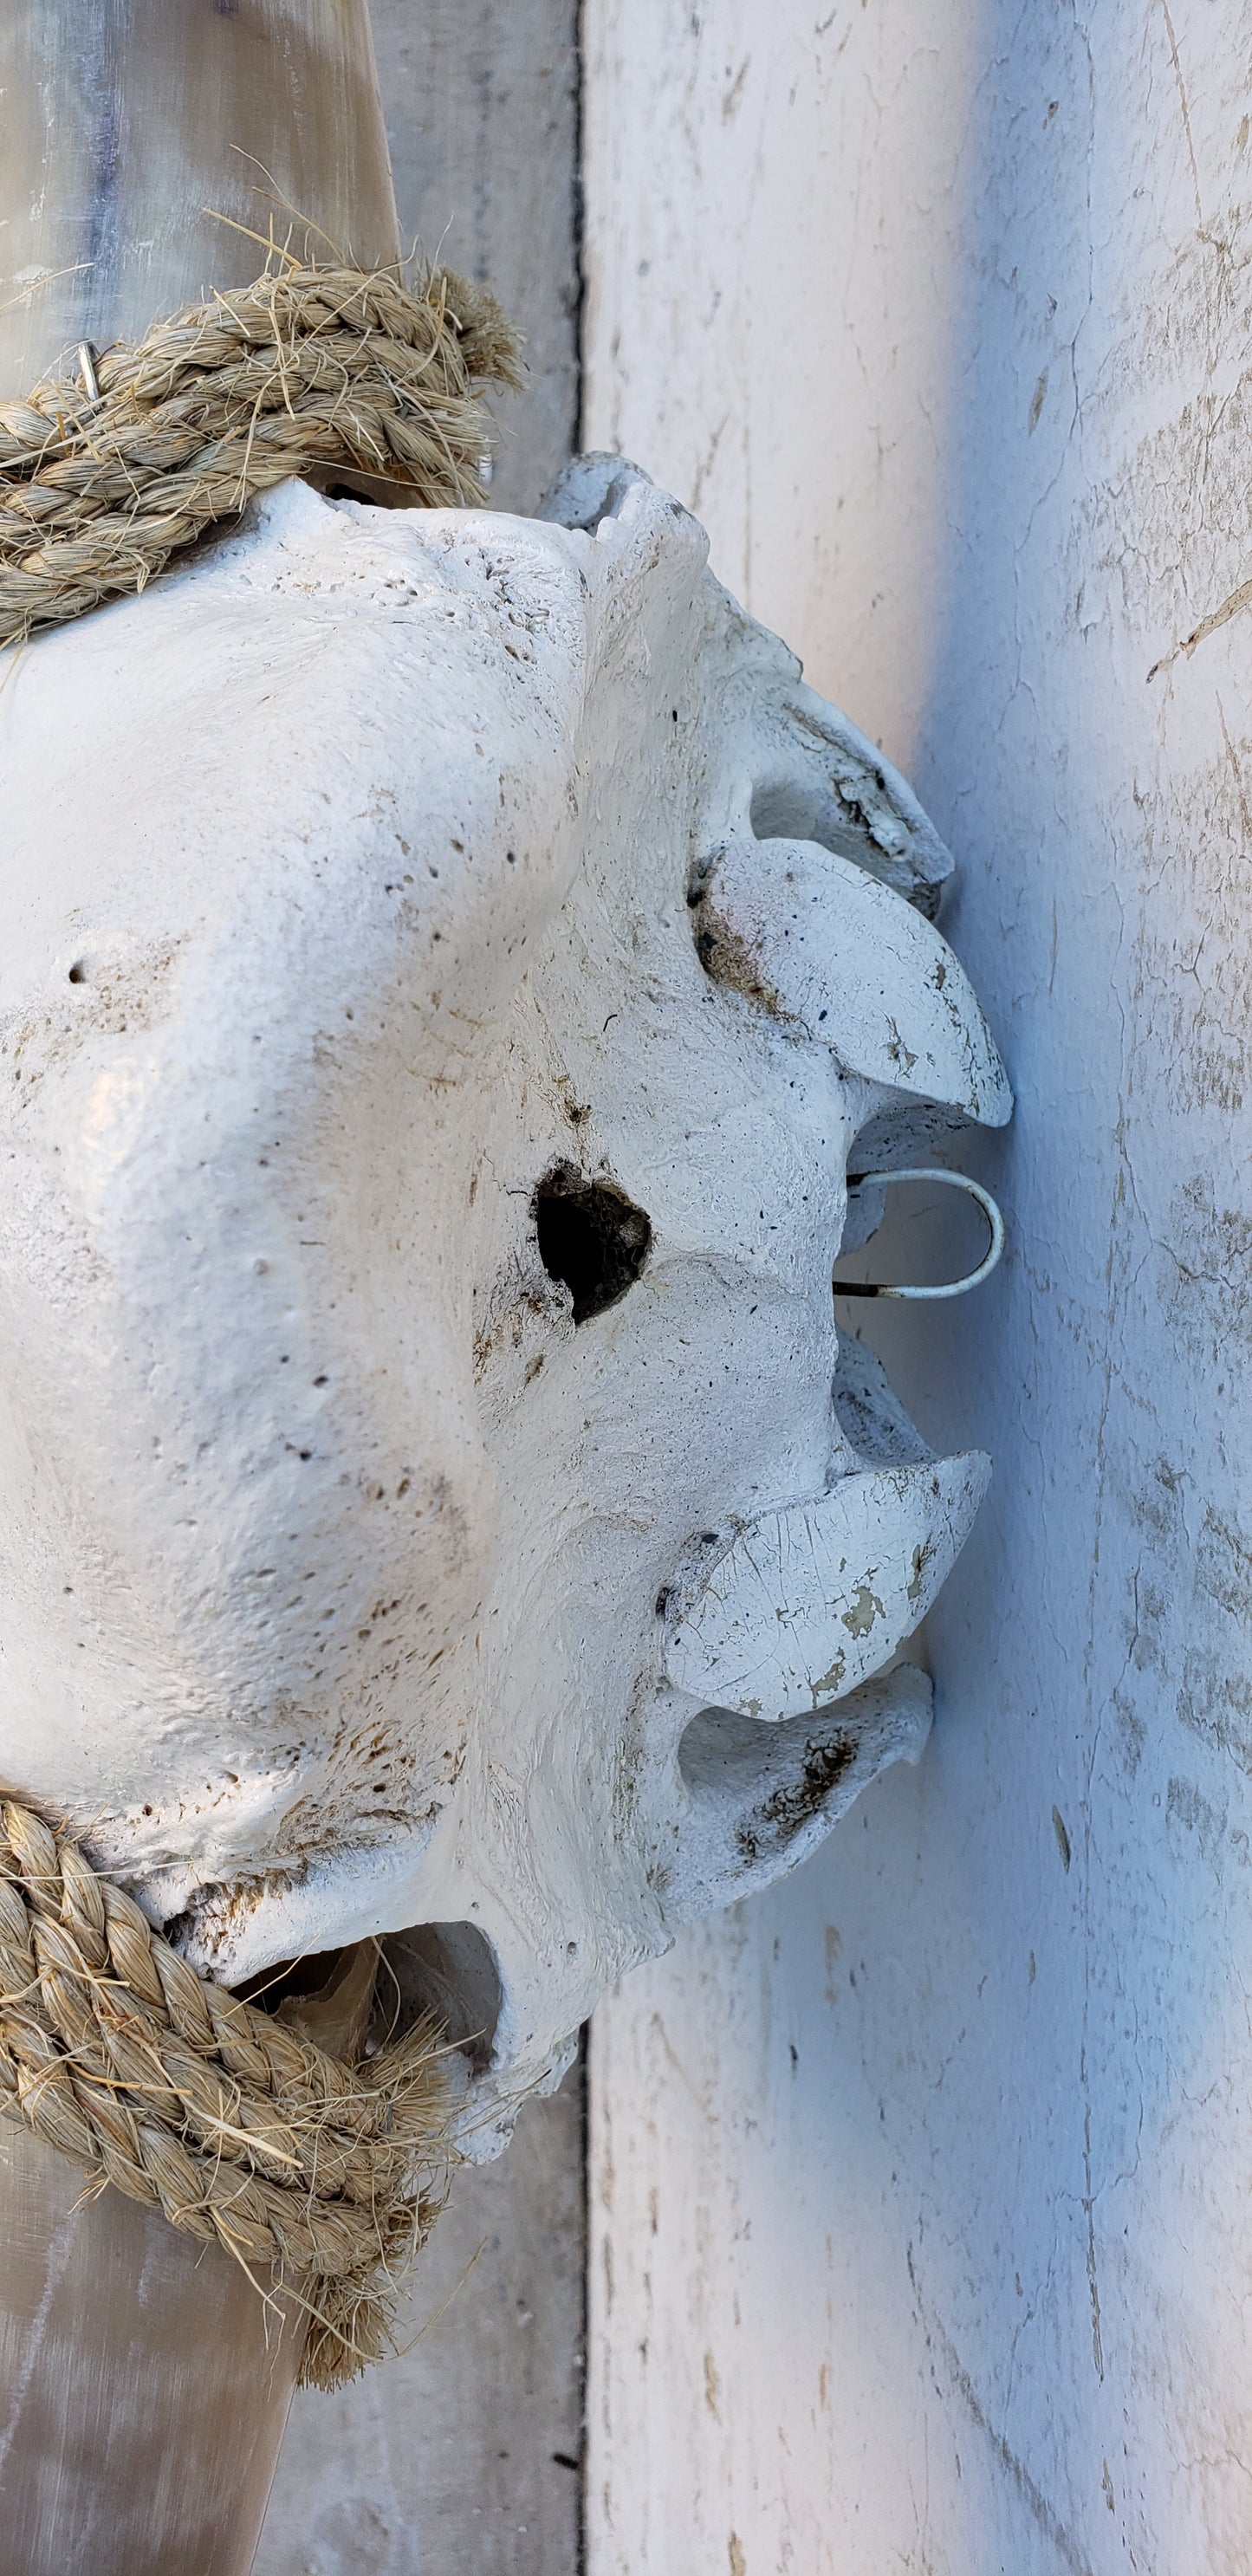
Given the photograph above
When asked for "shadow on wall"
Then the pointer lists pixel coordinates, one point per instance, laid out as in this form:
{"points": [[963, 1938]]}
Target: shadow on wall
{"points": [[1083, 1819], [936, 2148]]}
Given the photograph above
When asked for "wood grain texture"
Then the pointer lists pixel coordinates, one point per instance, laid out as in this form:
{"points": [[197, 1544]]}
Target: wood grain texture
{"points": [[461, 2457], [130, 130], [481, 102], [466, 2453], [132, 2363], [919, 2186]]}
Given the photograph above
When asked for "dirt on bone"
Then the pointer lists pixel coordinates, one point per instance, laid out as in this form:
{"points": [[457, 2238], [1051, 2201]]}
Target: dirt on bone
{"points": [[727, 959], [466, 1692], [781, 1815]]}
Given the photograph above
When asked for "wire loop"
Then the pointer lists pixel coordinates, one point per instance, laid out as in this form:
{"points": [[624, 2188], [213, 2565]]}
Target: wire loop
{"points": [[948, 1287]]}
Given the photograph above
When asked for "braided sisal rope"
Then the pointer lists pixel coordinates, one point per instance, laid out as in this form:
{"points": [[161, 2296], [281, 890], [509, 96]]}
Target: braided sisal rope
{"points": [[113, 2050], [326, 368]]}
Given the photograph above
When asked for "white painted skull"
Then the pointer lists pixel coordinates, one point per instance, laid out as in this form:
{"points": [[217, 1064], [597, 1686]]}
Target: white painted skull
{"points": [[448, 959]]}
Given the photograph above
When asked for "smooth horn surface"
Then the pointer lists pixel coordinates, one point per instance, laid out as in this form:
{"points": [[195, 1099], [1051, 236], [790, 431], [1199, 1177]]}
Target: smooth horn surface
{"points": [[812, 937], [809, 1601], [129, 131]]}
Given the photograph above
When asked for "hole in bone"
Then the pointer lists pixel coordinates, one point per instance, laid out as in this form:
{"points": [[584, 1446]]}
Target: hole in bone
{"points": [[272, 1986], [78, 971], [590, 490], [448, 1969], [920, 1131], [591, 1237], [328, 1995], [864, 1210], [868, 1411]]}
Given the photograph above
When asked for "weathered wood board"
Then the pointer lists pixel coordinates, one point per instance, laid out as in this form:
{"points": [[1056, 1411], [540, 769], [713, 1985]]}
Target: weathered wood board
{"points": [[920, 2187], [462, 2456], [458, 2456], [481, 102]]}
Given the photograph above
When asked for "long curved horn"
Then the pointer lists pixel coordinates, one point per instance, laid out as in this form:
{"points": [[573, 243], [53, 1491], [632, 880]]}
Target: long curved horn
{"points": [[131, 131], [147, 2382], [813, 938]]}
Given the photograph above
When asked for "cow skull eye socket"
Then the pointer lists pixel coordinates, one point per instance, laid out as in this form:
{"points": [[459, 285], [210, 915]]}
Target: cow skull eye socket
{"points": [[591, 1237]]}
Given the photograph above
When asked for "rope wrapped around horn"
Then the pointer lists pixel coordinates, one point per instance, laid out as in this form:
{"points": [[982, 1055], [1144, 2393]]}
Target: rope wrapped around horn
{"points": [[323, 2179], [308, 369]]}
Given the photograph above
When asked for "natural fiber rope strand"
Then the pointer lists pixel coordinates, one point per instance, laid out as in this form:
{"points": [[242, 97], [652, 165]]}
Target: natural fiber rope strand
{"points": [[156, 2080], [309, 368]]}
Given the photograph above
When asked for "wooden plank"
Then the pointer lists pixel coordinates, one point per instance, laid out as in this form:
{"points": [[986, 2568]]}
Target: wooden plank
{"points": [[919, 2186], [481, 100], [460, 2457], [465, 2453]]}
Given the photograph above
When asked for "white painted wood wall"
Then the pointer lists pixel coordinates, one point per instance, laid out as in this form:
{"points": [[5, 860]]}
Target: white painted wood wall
{"points": [[920, 2188]]}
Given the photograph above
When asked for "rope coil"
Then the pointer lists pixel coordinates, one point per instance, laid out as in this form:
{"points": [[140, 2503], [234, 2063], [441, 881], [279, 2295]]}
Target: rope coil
{"points": [[308, 368], [245, 2134]]}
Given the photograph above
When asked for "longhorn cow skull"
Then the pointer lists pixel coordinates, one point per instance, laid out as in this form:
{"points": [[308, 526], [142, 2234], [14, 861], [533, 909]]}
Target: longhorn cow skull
{"points": [[450, 959]]}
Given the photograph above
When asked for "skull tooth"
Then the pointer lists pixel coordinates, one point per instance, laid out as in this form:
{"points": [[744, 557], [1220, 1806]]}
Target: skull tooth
{"points": [[807, 1602], [810, 935], [759, 1798]]}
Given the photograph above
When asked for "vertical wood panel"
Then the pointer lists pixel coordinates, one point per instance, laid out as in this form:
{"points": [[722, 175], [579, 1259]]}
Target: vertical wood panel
{"points": [[461, 2457], [919, 2187], [772, 281], [481, 100]]}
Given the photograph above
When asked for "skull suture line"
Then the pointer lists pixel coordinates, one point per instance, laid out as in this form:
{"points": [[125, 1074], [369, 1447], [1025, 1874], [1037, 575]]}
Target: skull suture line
{"points": [[449, 960]]}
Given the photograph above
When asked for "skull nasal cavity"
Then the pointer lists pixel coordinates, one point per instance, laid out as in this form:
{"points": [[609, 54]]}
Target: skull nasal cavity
{"points": [[591, 1236]]}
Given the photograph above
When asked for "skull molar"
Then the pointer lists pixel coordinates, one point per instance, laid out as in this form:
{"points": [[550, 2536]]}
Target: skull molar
{"points": [[450, 960]]}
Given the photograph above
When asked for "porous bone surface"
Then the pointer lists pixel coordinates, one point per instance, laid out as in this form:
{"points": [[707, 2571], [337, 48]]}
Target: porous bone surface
{"points": [[354, 880]]}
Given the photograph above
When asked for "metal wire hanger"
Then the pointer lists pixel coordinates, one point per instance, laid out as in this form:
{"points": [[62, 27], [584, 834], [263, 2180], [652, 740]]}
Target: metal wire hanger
{"points": [[947, 1287]]}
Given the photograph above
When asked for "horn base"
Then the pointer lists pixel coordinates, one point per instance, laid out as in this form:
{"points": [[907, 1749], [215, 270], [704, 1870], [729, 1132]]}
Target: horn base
{"points": [[144, 2382], [129, 132]]}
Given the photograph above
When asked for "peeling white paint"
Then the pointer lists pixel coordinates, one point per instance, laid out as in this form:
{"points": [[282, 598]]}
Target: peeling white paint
{"points": [[811, 1600], [920, 2187]]}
